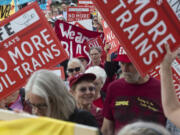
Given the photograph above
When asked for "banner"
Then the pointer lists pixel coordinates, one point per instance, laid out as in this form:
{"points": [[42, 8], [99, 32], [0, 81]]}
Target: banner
{"points": [[143, 27], [7, 10], [176, 75], [37, 126], [87, 3], [78, 13], [27, 45], [5, 2], [84, 24], [74, 38]]}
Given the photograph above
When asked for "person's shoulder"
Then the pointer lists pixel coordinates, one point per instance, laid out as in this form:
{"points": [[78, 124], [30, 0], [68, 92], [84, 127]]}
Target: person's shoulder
{"points": [[118, 82], [114, 86]]}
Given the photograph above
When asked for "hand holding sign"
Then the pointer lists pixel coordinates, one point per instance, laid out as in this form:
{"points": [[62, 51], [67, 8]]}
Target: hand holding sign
{"points": [[142, 28], [170, 56]]}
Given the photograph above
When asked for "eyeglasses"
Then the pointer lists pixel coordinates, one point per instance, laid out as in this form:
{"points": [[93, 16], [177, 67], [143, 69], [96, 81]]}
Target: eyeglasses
{"points": [[83, 89], [94, 54], [40, 106], [77, 69]]}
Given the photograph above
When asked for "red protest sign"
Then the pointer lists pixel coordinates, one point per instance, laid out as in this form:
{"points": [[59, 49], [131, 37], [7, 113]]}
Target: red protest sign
{"points": [[59, 71], [87, 3], [110, 38], [27, 45], [97, 42], [84, 24], [74, 39], [78, 13], [143, 28], [176, 75]]}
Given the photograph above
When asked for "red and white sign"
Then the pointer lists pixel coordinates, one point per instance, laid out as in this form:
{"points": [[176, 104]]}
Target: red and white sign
{"points": [[143, 27], [59, 71], [176, 75], [78, 13], [27, 45], [84, 24], [74, 39], [110, 38], [87, 3], [97, 42]]}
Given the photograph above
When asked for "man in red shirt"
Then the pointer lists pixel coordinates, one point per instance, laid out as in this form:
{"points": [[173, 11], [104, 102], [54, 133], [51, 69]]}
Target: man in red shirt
{"points": [[131, 98]]}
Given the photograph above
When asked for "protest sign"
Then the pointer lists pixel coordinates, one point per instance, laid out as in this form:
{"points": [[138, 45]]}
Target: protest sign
{"points": [[97, 42], [176, 75], [7, 10], [74, 38], [110, 38], [84, 24], [143, 27], [59, 71], [87, 3], [27, 45], [78, 13]]}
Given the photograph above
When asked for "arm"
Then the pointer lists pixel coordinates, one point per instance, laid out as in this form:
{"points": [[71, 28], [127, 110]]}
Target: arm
{"points": [[170, 102], [107, 127]]}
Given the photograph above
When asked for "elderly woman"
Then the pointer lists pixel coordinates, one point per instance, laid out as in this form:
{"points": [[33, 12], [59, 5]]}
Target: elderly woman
{"points": [[100, 79], [83, 89], [48, 96], [143, 128], [97, 104], [74, 67]]}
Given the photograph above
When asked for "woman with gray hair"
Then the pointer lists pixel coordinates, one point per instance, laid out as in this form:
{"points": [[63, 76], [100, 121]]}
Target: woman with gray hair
{"points": [[143, 128], [74, 67], [48, 96], [97, 104], [100, 78]]}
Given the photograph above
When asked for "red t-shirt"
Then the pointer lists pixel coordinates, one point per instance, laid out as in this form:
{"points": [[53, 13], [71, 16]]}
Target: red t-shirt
{"points": [[126, 103]]}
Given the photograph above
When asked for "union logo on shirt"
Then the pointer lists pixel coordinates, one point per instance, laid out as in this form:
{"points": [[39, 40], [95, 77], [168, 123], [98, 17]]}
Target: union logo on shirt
{"points": [[122, 103]]}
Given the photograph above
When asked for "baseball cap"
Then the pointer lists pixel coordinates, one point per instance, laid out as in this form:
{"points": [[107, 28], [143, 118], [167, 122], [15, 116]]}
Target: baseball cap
{"points": [[123, 58], [81, 56], [82, 76]]}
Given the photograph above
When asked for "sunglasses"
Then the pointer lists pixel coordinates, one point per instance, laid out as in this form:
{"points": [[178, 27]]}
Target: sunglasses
{"points": [[83, 89], [77, 69]]}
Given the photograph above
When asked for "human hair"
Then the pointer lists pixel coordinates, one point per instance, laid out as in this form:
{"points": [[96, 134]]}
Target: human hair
{"points": [[76, 60], [98, 71], [48, 85], [143, 128], [98, 48]]}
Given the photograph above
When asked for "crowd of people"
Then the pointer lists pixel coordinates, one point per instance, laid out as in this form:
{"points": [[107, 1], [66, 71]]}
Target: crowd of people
{"points": [[110, 95]]}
